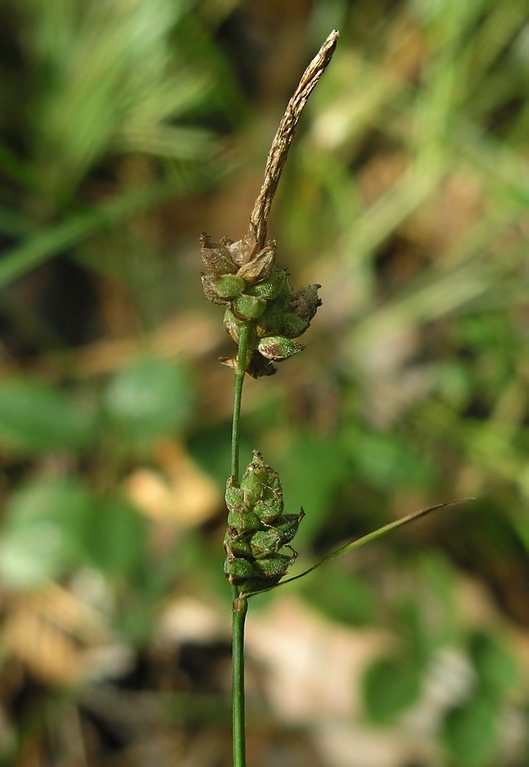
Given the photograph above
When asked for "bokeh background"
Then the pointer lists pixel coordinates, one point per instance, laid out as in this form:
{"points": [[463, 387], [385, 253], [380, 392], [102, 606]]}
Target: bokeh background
{"points": [[128, 127]]}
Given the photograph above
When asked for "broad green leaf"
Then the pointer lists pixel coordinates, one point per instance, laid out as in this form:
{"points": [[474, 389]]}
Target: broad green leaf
{"points": [[79, 227], [389, 462], [414, 629], [311, 472], [117, 536], [44, 532], [344, 597], [35, 417], [470, 732], [496, 667], [149, 398], [391, 684], [439, 605]]}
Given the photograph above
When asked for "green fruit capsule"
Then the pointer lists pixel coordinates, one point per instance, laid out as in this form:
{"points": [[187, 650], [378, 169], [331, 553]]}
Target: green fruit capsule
{"points": [[260, 482], [269, 510], [243, 521], [279, 347], [237, 546], [268, 476], [287, 526], [253, 479], [270, 321], [273, 567], [293, 326], [265, 543], [238, 571], [208, 286], [229, 286], [234, 496], [272, 287], [248, 307], [272, 491], [251, 486]]}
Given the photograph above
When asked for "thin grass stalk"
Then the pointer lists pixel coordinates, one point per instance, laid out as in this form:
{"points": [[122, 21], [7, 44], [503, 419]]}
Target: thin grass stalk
{"points": [[240, 372], [239, 606]]}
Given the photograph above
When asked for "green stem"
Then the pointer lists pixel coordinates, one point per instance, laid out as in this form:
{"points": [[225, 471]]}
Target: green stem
{"points": [[240, 606], [240, 372]]}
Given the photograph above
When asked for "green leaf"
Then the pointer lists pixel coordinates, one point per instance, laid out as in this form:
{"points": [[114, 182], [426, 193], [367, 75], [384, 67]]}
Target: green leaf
{"points": [[79, 227], [344, 597], [469, 732], [368, 538], [414, 629], [44, 532], [35, 417], [149, 398], [312, 470], [117, 536], [495, 666], [439, 605], [388, 462], [390, 685]]}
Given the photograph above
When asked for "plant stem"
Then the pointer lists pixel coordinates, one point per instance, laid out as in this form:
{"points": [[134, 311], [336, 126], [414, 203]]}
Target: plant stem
{"points": [[240, 604], [240, 372], [258, 227]]}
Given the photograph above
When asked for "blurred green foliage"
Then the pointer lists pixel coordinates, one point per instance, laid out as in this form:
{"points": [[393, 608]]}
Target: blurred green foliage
{"points": [[129, 127]]}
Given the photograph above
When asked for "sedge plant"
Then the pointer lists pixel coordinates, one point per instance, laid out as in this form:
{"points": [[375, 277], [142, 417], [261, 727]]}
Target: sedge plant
{"points": [[264, 316]]}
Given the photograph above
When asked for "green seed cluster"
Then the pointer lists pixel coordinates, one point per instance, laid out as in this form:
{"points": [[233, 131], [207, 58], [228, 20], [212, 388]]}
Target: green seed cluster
{"points": [[256, 291], [258, 534]]}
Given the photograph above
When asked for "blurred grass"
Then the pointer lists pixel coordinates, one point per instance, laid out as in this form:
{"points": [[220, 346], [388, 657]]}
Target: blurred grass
{"points": [[130, 127]]}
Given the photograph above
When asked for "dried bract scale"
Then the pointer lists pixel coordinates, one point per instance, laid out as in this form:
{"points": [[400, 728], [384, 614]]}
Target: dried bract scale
{"points": [[216, 257], [241, 251], [279, 347], [260, 266], [229, 362], [231, 325], [208, 286], [305, 301], [258, 366]]}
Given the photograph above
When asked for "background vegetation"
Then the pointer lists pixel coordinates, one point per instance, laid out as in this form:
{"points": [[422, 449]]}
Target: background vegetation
{"points": [[129, 127]]}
